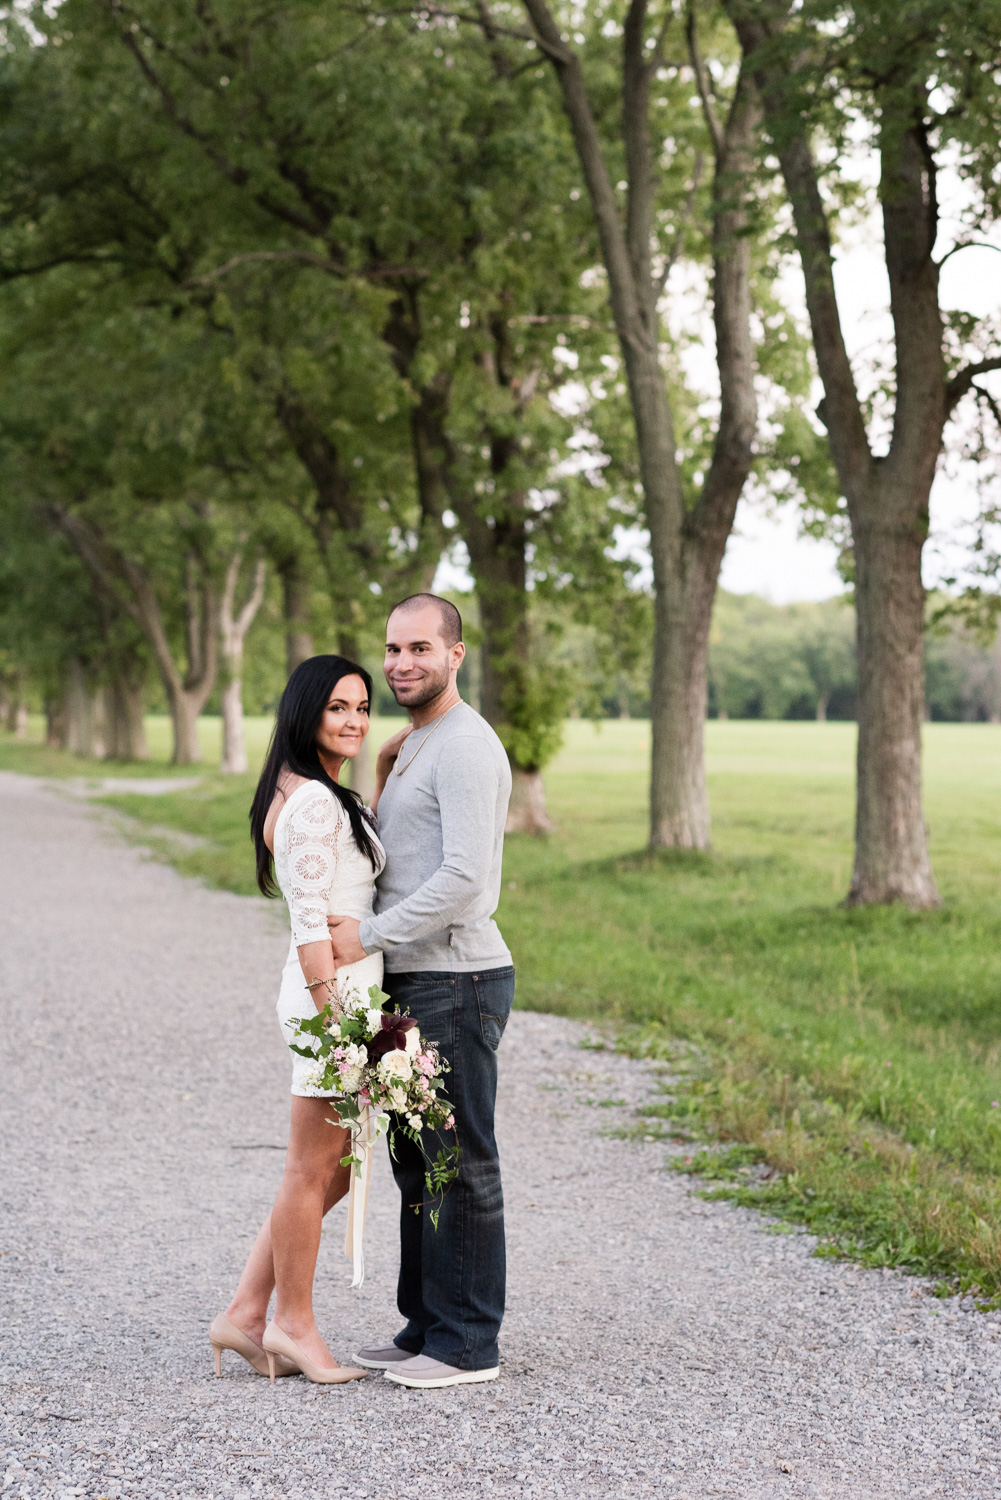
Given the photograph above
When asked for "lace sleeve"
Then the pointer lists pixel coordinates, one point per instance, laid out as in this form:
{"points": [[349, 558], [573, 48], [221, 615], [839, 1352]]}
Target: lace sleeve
{"points": [[314, 829]]}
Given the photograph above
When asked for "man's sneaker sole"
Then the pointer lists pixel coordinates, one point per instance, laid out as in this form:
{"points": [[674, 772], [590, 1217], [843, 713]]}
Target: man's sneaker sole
{"points": [[434, 1382], [382, 1364]]}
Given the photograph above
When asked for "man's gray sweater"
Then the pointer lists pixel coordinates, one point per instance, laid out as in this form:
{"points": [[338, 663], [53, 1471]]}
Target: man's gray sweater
{"points": [[442, 825]]}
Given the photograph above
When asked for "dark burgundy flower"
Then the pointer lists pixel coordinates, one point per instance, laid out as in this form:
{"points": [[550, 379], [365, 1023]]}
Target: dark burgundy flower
{"points": [[392, 1037]]}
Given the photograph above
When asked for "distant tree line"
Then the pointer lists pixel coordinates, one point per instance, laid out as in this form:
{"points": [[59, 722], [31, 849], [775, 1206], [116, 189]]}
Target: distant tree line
{"points": [[797, 661], [793, 661]]}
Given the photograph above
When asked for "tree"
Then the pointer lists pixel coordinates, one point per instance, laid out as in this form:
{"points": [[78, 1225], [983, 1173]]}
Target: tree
{"points": [[115, 426], [280, 153], [233, 627], [64, 639], [820, 69], [689, 525]]}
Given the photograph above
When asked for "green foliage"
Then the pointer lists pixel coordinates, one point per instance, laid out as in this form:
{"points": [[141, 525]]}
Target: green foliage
{"points": [[303, 262]]}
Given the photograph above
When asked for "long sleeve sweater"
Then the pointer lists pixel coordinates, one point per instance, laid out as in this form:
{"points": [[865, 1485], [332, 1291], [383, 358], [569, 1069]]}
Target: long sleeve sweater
{"points": [[441, 822]]}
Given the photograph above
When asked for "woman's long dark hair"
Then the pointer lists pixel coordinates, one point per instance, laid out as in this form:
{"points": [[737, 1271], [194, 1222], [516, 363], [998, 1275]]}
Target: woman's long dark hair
{"points": [[293, 746]]}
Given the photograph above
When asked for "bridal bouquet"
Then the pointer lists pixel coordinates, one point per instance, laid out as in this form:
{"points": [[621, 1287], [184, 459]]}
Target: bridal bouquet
{"points": [[378, 1065]]}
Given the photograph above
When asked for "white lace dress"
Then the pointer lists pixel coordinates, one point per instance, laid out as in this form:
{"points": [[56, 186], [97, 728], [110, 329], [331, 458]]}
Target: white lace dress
{"points": [[320, 870]]}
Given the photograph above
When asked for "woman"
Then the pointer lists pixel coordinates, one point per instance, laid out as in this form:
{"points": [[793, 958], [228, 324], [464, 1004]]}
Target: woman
{"points": [[316, 846]]}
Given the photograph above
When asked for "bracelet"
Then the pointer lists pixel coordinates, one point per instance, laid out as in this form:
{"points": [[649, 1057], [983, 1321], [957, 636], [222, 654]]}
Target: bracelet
{"points": [[312, 984]]}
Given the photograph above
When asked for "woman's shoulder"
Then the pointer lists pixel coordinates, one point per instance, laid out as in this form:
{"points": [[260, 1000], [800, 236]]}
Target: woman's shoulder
{"points": [[311, 801]]}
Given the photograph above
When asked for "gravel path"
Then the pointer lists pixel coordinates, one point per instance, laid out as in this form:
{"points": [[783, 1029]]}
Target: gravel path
{"points": [[655, 1345]]}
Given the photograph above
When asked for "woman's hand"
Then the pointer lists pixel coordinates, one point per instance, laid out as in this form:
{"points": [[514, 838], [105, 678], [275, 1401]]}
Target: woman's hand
{"points": [[390, 750], [385, 760]]}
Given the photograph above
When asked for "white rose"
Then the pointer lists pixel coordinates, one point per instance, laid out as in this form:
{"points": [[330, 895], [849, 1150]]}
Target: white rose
{"points": [[398, 1098], [396, 1066], [373, 1020], [413, 1041]]}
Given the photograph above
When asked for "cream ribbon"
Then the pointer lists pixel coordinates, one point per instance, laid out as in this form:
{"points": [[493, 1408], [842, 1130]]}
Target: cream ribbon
{"points": [[363, 1142]]}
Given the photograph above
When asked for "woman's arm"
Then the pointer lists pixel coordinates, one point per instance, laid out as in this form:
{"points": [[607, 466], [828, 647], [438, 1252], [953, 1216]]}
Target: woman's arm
{"points": [[314, 826], [319, 971], [384, 763]]}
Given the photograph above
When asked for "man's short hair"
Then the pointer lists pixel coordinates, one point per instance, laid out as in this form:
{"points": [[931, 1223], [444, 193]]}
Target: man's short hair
{"points": [[451, 620]]}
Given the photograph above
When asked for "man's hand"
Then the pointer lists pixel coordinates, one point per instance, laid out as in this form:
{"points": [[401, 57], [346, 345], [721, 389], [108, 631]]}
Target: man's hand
{"points": [[344, 940]]}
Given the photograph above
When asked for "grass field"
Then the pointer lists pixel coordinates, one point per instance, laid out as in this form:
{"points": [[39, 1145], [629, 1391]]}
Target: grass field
{"points": [[844, 1066]]}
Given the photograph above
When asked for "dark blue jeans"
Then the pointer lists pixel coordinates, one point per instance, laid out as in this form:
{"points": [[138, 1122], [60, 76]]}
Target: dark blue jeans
{"points": [[451, 1288]]}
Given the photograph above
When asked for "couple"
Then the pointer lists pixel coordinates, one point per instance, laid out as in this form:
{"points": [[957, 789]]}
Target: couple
{"points": [[410, 907]]}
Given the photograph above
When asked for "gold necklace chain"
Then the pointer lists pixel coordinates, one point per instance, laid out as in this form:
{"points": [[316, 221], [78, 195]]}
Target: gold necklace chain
{"points": [[400, 769]]}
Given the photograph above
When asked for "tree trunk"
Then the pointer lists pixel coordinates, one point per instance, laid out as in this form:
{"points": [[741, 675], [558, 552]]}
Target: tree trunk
{"points": [[132, 587], [15, 713], [430, 449], [232, 634], [679, 801], [358, 774], [891, 848], [295, 610], [187, 695], [83, 715], [497, 562], [527, 809], [56, 723], [887, 497], [124, 718], [823, 699], [686, 541], [679, 810], [234, 747], [185, 711], [889, 528]]}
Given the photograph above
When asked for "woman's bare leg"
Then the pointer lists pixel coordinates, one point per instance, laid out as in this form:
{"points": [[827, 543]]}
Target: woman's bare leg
{"points": [[312, 1170]]}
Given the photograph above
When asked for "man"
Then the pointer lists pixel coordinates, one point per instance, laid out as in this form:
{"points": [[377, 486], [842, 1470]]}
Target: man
{"points": [[441, 819]]}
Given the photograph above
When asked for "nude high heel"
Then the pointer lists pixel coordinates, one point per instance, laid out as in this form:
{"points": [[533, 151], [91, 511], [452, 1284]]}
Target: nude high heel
{"points": [[277, 1343], [225, 1335]]}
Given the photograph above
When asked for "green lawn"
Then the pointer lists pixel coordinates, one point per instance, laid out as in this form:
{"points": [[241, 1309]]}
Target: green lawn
{"points": [[846, 1061]]}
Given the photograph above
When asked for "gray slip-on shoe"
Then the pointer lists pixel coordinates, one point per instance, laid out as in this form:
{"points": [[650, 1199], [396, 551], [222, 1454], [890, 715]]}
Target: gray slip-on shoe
{"points": [[382, 1357], [426, 1374]]}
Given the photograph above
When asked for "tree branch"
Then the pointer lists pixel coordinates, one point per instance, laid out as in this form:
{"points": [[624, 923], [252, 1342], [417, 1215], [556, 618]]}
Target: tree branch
{"points": [[686, 219], [234, 627], [639, 159], [733, 189], [106, 563], [702, 81], [963, 380], [627, 306], [968, 245], [992, 406], [841, 410]]}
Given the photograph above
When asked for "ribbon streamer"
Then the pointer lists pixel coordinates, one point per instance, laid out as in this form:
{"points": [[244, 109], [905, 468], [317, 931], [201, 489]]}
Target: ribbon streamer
{"points": [[364, 1140]]}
